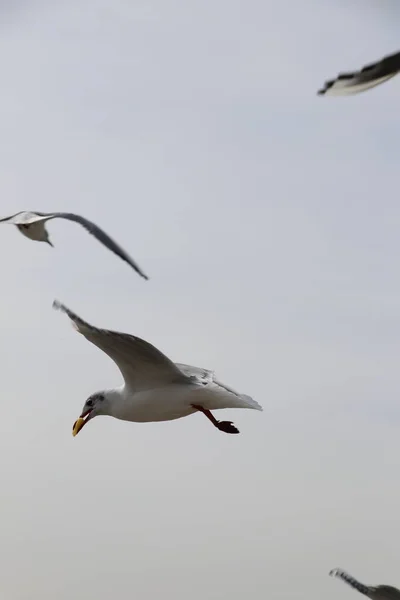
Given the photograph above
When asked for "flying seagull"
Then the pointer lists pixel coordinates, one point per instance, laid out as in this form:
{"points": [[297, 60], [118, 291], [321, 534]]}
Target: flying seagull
{"points": [[379, 592], [154, 388], [33, 226], [359, 81]]}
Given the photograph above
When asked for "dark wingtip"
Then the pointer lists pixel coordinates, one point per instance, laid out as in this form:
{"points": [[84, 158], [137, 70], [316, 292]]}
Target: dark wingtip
{"points": [[333, 572], [137, 269], [57, 305], [327, 86], [142, 275]]}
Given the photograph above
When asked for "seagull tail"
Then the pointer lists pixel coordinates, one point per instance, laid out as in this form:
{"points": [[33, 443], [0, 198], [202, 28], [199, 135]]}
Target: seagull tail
{"points": [[249, 402], [225, 397], [349, 579]]}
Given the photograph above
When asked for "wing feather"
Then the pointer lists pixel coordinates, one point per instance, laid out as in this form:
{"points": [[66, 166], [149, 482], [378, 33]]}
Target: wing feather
{"points": [[25, 218], [101, 236], [141, 364], [366, 78]]}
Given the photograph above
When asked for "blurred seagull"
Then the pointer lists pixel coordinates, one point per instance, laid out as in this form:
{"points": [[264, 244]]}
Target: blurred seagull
{"points": [[359, 81], [33, 226], [379, 592], [154, 388]]}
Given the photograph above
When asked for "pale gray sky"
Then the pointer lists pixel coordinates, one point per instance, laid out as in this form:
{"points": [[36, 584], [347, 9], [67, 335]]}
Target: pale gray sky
{"points": [[268, 220]]}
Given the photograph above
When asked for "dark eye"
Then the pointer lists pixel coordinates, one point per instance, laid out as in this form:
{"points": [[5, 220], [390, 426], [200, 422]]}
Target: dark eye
{"points": [[89, 403]]}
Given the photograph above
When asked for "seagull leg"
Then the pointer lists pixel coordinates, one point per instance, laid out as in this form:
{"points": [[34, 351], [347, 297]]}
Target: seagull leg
{"points": [[226, 426]]}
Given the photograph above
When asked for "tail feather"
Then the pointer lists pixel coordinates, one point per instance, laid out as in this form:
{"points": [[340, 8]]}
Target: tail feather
{"points": [[349, 579], [250, 402]]}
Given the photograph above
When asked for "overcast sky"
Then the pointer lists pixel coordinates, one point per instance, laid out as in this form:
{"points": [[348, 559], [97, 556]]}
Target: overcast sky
{"points": [[268, 219]]}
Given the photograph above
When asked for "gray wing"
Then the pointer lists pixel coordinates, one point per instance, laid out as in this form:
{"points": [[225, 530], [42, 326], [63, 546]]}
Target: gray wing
{"points": [[368, 77], [25, 218], [100, 235], [204, 376], [196, 374], [141, 364]]}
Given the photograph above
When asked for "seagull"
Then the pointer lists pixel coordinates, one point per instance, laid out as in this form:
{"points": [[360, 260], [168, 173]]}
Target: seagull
{"points": [[379, 592], [33, 226], [154, 388], [359, 81]]}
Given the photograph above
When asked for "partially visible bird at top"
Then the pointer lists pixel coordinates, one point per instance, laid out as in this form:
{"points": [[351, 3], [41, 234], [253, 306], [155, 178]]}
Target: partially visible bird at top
{"points": [[33, 226], [370, 76], [378, 592], [154, 388]]}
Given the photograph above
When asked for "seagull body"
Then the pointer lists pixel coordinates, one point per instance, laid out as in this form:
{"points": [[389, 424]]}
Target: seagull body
{"points": [[366, 78], [154, 388], [33, 226], [379, 592]]}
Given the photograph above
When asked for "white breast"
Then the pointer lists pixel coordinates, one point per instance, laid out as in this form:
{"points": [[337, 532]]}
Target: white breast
{"points": [[175, 401], [34, 231]]}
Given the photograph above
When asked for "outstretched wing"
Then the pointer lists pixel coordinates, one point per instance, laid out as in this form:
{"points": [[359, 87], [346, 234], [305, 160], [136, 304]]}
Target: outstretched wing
{"points": [[205, 376], [196, 374], [100, 235], [141, 364], [25, 218], [368, 77], [200, 376], [349, 579]]}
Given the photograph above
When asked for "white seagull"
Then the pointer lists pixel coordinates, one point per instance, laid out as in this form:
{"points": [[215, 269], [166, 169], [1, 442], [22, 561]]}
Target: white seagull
{"points": [[154, 388], [33, 226], [359, 81], [379, 592]]}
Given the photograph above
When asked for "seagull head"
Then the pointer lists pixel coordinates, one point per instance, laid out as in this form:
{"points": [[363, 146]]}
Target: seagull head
{"points": [[95, 405]]}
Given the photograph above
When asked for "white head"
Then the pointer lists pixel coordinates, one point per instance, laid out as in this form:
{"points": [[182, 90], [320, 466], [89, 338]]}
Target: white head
{"points": [[97, 404]]}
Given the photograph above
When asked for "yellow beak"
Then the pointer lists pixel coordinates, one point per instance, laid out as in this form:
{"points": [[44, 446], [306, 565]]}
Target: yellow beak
{"points": [[78, 426], [79, 423]]}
